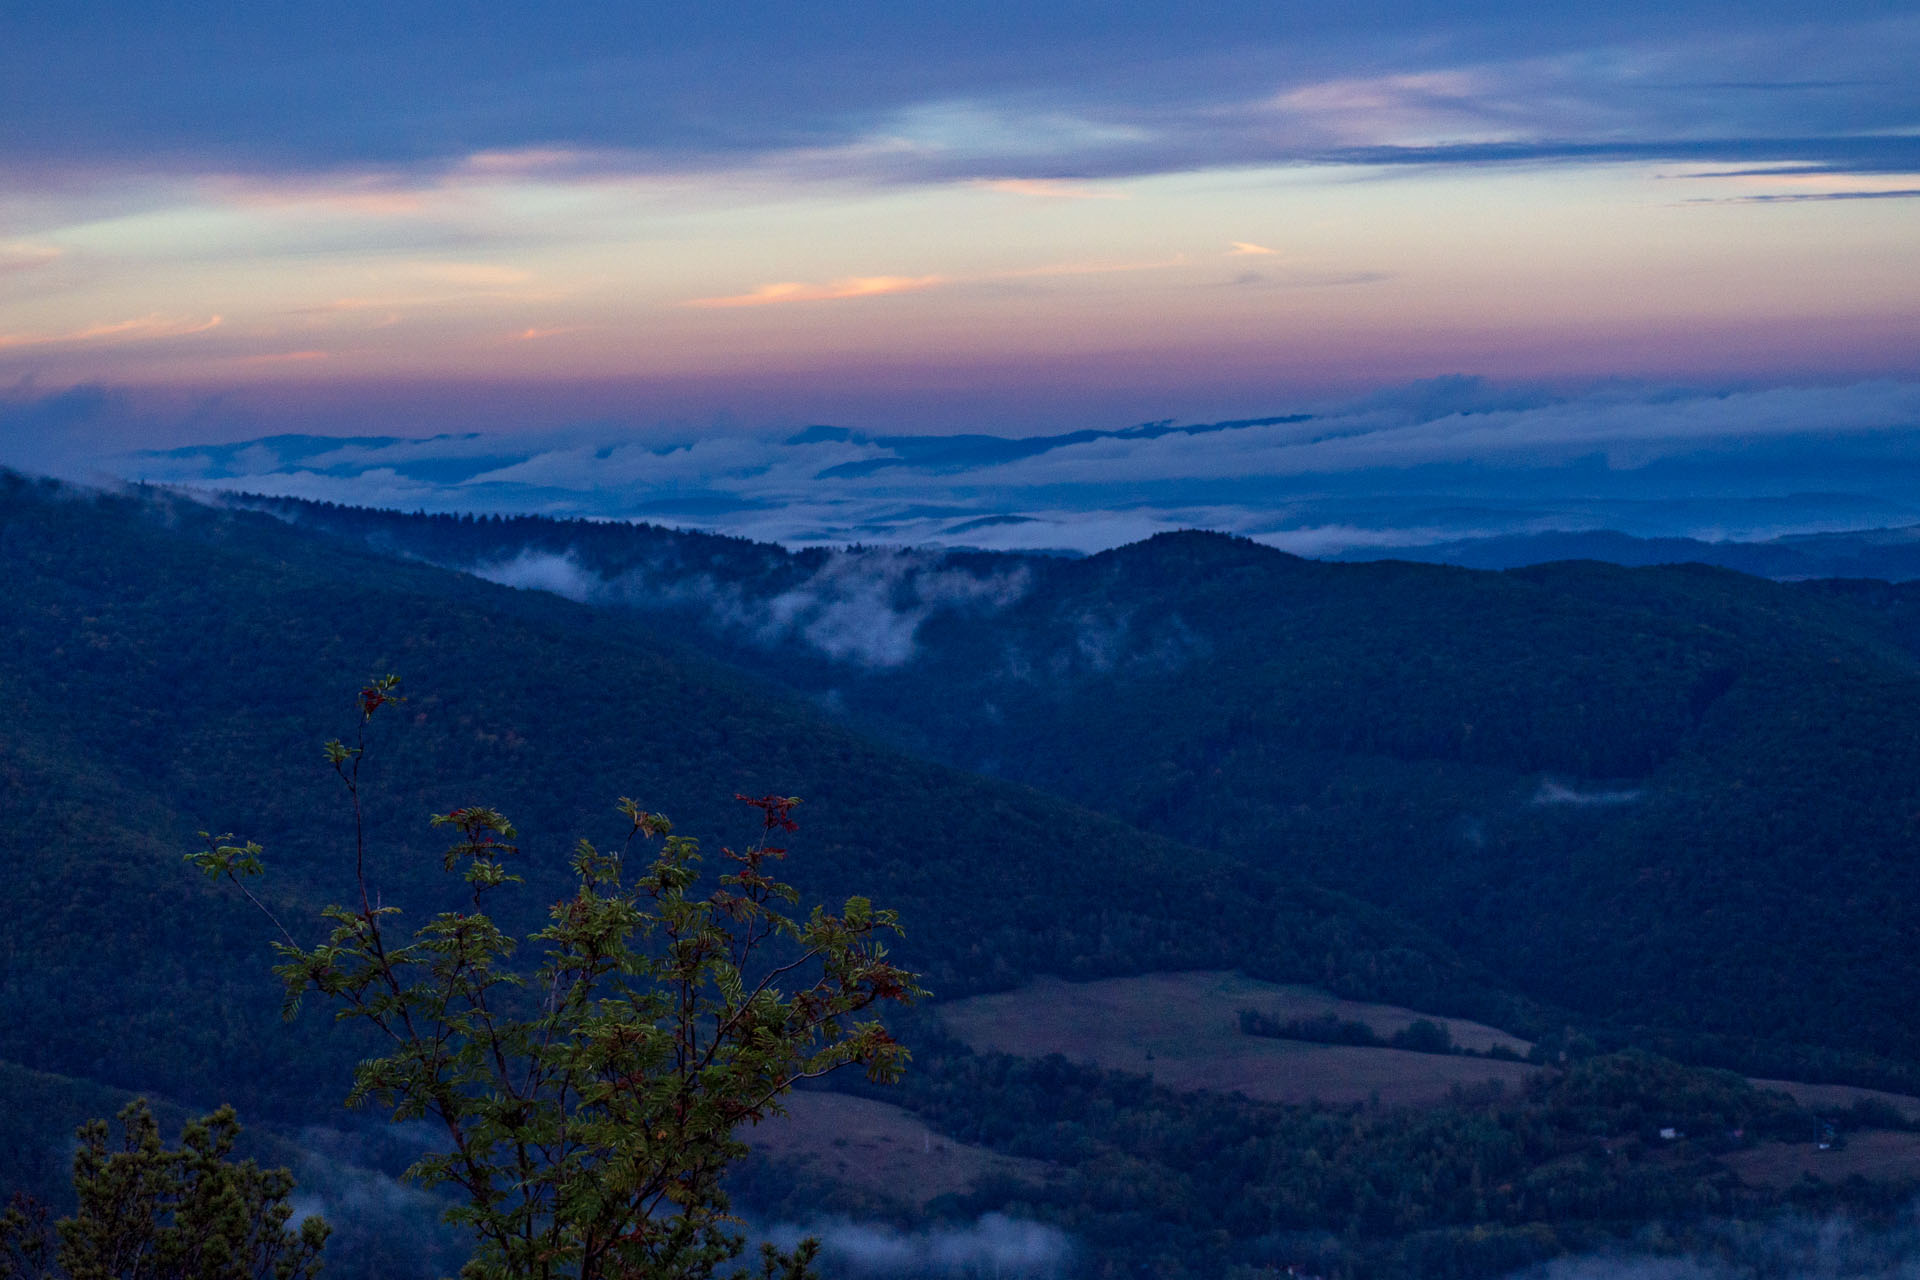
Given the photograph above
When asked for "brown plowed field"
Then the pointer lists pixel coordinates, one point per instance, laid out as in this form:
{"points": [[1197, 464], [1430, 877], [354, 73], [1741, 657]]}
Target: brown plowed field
{"points": [[880, 1149], [1877, 1155], [1183, 1029]]}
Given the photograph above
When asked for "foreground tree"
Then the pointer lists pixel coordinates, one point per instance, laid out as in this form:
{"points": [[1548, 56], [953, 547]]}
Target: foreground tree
{"points": [[150, 1212], [593, 1097]]}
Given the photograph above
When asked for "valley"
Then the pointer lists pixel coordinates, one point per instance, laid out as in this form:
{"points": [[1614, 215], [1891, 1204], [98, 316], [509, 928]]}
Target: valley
{"points": [[1003, 641], [1618, 835], [1554, 771]]}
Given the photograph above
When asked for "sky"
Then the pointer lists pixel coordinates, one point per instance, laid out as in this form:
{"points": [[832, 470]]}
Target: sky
{"points": [[664, 224]]}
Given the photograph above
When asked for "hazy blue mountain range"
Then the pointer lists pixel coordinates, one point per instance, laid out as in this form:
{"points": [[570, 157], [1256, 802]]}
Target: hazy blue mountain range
{"points": [[957, 453], [1891, 555]]}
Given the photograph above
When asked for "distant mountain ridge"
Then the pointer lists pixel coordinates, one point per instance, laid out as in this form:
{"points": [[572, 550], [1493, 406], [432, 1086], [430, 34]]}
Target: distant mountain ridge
{"points": [[341, 456], [1890, 555], [944, 453], [1435, 463], [1886, 554]]}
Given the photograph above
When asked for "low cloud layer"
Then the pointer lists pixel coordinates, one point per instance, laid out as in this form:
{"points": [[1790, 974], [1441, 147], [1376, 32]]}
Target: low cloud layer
{"points": [[1558, 793], [1445, 459], [1806, 1248], [861, 605], [995, 1245], [380, 1222]]}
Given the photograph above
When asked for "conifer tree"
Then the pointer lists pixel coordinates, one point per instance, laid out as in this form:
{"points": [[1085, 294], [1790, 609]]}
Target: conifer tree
{"points": [[150, 1212]]}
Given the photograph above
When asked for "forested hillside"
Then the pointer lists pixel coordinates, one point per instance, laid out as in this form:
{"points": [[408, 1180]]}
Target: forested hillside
{"points": [[1661, 807], [170, 668], [1664, 797], [1678, 799]]}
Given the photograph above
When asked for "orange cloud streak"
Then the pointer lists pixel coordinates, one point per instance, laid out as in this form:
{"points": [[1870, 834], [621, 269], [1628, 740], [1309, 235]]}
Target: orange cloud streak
{"points": [[768, 295], [144, 328], [286, 357]]}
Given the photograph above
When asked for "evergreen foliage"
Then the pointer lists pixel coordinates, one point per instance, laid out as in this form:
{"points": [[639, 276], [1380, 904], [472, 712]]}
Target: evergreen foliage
{"points": [[150, 1212]]}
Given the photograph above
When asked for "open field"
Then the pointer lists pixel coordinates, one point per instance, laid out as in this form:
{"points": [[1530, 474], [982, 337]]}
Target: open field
{"points": [[1880, 1155], [1183, 1029], [880, 1149], [1822, 1097]]}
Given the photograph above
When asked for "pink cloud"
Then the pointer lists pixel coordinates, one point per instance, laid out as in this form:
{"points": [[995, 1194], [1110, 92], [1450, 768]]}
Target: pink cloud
{"points": [[23, 257], [1091, 268], [1046, 189], [363, 195]]}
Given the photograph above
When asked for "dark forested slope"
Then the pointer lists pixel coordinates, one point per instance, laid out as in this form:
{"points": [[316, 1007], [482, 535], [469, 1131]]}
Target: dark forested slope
{"points": [[1680, 799], [1674, 796], [169, 668], [1669, 796]]}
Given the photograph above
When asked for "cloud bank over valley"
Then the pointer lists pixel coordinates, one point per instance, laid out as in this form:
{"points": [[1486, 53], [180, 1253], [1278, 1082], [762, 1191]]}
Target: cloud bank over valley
{"points": [[1424, 463]]}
